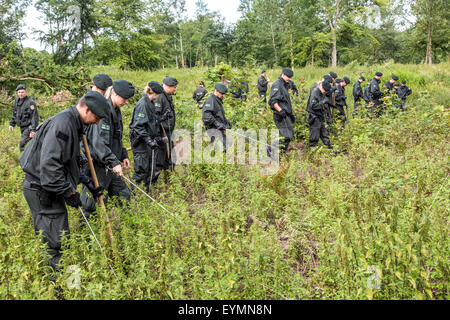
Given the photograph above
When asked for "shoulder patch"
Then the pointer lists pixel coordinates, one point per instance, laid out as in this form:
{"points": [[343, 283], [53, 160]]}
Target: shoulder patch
{"points": [[208, 106], [62, 136], [141, 115], [275, 89], [105, 126], [32, 107]]}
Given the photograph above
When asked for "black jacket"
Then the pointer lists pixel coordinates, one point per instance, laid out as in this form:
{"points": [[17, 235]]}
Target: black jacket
{"points": [[162, 104], [357, 91], [105, 139], [25, 113], [340, 98], [51, 158], [144, 123], [262, 85], [374, 90], [199, 94], [317, 103], [279, 94], [403, 92], [213, 112]]}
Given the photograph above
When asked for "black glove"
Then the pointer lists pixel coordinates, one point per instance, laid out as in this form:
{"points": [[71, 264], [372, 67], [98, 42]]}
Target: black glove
{"points": [[73, 200], [96, 192], [229, 125], [282, 113], [82, 160], [162, 140], [152, 143], [220, 126]]}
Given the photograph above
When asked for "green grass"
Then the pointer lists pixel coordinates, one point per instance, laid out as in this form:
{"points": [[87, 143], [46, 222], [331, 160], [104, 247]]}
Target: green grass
{"points": [[312, 231]]}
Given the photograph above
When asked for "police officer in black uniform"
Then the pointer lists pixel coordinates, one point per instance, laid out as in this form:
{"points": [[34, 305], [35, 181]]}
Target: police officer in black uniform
{"points": [[52, 170], [357, 93], [317, 108], [145, 135], [214, 115], [262, 86], [332, 96], [165, 108], [25, 115], [200, 93], [106, 146], [374, 95], [283, 116], [341, 99], [402, 92]]}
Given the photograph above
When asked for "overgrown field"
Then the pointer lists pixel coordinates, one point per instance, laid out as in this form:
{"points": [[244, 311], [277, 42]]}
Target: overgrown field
{"points": [[371, 222]]}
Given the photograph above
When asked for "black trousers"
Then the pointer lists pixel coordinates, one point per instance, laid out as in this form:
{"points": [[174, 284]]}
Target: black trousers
{"points": [[51, 220], [24, 138], [341, 114], [317, 130], [145, 166], [286, 131]]}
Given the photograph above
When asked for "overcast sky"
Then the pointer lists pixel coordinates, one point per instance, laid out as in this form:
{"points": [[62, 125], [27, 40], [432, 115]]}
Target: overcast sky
{"points": [[227, 8]]}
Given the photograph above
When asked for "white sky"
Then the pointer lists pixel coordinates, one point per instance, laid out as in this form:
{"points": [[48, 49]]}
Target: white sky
{"points": [[227, 8]]}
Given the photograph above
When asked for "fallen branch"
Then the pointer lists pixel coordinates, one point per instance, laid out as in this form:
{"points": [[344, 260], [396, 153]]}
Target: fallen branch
{"points": [[25, 77]]}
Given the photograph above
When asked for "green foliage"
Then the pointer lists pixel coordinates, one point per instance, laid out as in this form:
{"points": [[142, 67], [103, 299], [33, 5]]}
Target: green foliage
{"points": [[40, 73], [323, 227]]}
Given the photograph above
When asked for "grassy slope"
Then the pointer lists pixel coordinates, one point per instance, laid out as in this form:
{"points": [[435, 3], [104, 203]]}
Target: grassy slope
{"points": [[313, 230]]}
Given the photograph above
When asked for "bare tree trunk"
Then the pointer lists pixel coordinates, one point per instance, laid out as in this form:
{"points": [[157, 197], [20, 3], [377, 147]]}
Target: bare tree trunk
{"points": [[429, 55], [334, 49], [333, 27], [176, 55], [183, 64], [291, 44], [273, 41]]}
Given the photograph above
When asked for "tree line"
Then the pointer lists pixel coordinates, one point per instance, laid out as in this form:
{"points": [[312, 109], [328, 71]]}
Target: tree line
{"points": [[152, 34]]}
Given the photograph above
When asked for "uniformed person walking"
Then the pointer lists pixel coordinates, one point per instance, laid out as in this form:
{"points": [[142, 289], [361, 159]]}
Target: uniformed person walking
{"points": [[403, 92], [357, 93], [374, 95], [341, 99], [200, 93], [262, 86], [280, 103], [145, 135], [106, 146], [166, 111], [317, 108], [25, 115], [332, 97], [101, 82], [52, 170], [214, 115]]}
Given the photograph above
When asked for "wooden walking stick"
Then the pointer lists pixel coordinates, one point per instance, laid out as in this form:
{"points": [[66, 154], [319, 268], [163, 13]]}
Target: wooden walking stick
{"points": [[94, 178]]}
